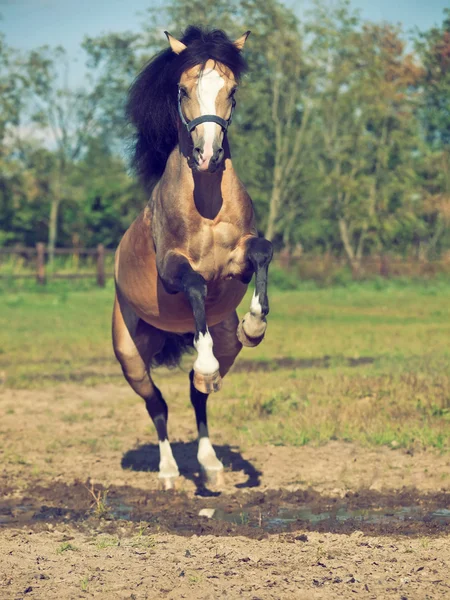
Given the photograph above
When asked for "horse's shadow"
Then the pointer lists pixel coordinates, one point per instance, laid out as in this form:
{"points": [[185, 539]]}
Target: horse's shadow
{"points": [[146, 458]]}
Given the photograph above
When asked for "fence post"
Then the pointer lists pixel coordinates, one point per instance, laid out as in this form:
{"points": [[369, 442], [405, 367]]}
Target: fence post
{"points": [[384, 266], [40, 263], [101, 265]]}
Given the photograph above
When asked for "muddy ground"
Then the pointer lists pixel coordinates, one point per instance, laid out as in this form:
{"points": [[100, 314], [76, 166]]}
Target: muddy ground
{"points": [[81, 513]]}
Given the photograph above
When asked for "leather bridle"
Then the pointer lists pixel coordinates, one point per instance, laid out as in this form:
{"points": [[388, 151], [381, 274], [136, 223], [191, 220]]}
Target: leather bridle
{"points": [[190, 125]]}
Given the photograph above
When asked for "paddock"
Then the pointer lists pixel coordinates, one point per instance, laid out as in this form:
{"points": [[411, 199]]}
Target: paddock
{"points": [[335, 453]]}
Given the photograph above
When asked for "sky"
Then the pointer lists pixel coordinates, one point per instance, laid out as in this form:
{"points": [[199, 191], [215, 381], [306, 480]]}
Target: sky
{"points": [[31, 23]]}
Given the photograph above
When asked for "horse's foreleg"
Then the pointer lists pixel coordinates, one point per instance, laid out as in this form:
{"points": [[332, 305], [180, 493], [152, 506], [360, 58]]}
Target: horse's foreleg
{"points": [[211, 466], [179, 276], [135, 342], [227, 347], [252, 328]]}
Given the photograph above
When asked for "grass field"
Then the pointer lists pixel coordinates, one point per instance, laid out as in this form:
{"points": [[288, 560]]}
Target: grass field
{"points": [[345, 406], [369, 362]]}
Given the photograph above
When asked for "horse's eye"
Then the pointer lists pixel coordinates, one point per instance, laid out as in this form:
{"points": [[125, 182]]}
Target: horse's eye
{"points": [[232, 93], [183, 93]]}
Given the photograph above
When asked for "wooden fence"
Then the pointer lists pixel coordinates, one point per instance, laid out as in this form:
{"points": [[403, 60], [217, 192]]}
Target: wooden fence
{"points": [[321, 268], [39, 254]]}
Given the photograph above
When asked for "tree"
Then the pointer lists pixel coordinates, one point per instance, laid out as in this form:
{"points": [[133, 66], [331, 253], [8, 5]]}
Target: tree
{"points": [[70, 116], [365, 126], [433, 48]]}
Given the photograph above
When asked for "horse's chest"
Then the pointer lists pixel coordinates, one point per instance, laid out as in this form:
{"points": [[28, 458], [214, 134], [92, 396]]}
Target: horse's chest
{"points": [[216, 252]]}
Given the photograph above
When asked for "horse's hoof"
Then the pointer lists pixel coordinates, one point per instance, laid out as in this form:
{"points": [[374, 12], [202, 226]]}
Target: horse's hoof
{"points": [[215, 477], [207, 383], [247, 340], [167, 483]]}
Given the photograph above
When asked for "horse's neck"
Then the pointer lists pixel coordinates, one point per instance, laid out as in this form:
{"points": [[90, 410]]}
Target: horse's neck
{"points": [[186, 193], [207, 195]]}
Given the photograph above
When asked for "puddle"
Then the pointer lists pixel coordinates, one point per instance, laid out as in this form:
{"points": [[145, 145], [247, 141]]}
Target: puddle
{"points": [[283, 520], [405, 512], [308, 515]]}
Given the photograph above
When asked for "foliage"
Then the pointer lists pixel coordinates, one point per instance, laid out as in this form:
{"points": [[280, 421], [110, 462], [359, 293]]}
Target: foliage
{"points": [[342, 136]]}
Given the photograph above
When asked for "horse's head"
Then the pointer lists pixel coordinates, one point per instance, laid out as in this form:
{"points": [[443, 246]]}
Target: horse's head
{"points": [[205, 105]]}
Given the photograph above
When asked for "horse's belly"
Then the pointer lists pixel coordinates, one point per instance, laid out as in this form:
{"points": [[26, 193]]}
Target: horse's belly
{"points": [[175, 313], [172, 312]]}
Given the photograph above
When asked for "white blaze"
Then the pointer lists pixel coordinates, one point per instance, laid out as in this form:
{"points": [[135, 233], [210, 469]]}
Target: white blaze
{"points": [[209, 84]]}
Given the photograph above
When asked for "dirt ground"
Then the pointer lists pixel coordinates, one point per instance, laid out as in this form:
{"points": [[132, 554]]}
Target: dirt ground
{"points": [[81, 513]]}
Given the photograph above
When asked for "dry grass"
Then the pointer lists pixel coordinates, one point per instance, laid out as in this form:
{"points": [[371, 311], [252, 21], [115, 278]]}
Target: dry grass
{"points": [[400, 397]]}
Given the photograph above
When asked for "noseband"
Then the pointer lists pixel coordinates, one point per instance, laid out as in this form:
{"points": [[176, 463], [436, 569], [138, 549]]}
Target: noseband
{"points": [[190, 125]]}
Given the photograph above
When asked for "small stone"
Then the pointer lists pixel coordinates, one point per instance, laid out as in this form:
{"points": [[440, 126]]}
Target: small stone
{"points": [[207, 512]]}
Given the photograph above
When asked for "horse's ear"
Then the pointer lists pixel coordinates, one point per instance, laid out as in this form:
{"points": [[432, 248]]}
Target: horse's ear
{"points": [[175, 44], [239, 43]]}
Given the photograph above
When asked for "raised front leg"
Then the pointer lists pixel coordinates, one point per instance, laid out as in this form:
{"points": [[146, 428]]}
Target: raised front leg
{"points": [[253, 326], [179, 276]]}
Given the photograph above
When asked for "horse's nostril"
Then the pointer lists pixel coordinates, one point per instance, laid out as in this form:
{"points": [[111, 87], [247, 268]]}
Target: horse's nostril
{"points": [[218, 154], [197, 153]]}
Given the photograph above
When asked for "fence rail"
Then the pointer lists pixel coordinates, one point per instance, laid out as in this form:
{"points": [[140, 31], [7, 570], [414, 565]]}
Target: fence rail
{"points": [[321, 268], [40, 251]]}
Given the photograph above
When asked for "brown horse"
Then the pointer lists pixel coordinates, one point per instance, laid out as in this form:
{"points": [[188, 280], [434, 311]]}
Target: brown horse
{"points": [[183, 266]]}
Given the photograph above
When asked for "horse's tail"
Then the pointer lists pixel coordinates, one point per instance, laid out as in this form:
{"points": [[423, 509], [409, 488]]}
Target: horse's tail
{"points": [[175, 345]]}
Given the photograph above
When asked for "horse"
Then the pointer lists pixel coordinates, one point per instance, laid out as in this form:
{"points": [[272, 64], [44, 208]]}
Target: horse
{"points": [[183, 266]]}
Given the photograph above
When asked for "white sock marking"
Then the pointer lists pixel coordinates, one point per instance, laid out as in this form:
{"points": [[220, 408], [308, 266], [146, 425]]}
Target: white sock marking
{"points": [[167, 465], [205, 449], [206, 455], [206, 363], [209, 84], [255, 306]]}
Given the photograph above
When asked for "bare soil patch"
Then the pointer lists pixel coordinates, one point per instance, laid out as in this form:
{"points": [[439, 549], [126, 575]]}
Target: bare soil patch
{"points": [[55, 542]]}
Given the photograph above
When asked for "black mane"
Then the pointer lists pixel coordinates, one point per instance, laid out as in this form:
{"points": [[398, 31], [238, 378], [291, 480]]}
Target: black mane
{"points": [[152, 99]]}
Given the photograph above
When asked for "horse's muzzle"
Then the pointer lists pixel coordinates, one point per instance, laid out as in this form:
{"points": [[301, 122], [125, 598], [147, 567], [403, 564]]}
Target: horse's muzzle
{"points": [[208, 163]]}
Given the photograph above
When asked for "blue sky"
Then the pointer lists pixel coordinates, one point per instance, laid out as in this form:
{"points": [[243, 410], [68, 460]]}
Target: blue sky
{"points": [[31, 23]]}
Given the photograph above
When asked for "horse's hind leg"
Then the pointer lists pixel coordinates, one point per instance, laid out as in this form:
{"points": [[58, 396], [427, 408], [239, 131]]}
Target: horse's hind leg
{"points": [[226, 348], [253, 326], [135, 342]]}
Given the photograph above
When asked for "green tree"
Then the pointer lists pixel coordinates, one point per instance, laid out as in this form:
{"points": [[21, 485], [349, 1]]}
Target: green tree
{"points": [[68, 116], [433, 47], [365, 127]]}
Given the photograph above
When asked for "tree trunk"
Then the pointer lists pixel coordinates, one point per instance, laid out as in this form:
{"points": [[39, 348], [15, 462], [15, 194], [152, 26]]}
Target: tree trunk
{"points": [[53, 230], [273, 212], [57, 196], [346, 242]]}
